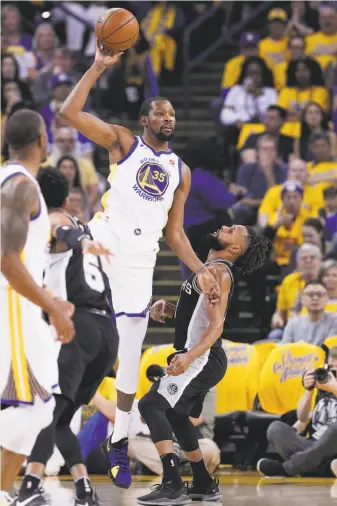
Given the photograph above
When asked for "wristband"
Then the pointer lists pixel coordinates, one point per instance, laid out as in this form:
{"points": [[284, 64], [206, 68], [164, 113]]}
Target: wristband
{"points": [[71, 236]]}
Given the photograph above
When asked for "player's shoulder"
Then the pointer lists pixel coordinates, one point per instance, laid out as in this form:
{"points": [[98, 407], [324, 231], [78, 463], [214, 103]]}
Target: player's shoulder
{"points": [[222, 273]]}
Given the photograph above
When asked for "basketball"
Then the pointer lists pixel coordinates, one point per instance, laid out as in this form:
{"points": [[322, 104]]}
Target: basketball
{"points": [[117, 30]]}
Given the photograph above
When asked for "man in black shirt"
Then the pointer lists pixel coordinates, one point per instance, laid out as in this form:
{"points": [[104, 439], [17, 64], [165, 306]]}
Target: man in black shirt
{"points": [[273, 120]]}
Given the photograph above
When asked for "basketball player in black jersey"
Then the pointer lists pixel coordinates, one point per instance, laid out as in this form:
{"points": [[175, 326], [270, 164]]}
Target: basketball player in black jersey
{"points": [[74, 271], [198, 365]]}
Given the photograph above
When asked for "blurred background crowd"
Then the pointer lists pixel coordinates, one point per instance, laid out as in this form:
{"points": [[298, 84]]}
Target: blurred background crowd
{"points": [[254, 85]]}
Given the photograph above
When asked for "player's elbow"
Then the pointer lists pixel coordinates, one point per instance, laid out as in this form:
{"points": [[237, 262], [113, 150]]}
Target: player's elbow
{"points": [[174, 236], [6, 264], [65, 112]]}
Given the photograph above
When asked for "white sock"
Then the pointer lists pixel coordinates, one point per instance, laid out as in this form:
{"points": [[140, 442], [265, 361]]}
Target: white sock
{"points": [[121, 426]]}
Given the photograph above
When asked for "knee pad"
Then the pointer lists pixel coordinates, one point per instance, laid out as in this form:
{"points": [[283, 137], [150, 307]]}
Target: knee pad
{"points": [[153, 409], [184, 430]]}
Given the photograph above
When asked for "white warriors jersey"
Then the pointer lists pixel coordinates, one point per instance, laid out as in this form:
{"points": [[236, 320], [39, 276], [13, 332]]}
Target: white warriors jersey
{"points": [[35, 252], [141, 193]]}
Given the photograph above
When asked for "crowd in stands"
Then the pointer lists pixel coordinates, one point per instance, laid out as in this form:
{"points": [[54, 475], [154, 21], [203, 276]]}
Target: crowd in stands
{"points": [[276, 136]]}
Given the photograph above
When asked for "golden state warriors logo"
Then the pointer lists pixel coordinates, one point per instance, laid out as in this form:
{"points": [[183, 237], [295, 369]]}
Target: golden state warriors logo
{"points": [[152, 182]]}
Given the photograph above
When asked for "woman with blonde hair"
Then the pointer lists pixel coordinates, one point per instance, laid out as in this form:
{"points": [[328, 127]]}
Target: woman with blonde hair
{"points": [[328, 275]]}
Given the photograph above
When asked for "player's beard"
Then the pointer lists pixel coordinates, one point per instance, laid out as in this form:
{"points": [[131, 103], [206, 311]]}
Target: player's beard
{"points": [[162, 136], [214, 243]]}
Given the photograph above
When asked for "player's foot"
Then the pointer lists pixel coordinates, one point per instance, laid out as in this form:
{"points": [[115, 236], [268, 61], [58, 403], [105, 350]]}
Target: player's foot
{"points": [[164, 495], [117, 453], [30, 498], [269, 467], [88, 500], [333, 466], [197, 492]]}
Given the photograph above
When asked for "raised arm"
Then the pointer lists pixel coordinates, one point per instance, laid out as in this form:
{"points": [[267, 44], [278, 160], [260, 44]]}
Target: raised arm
{"points": [[104, 134], [19, 202], [178, 241]]}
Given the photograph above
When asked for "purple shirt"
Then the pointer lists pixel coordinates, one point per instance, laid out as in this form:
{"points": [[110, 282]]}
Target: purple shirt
{"points": [[26, 42], [208, 195], [331, 226], [252, 177]]}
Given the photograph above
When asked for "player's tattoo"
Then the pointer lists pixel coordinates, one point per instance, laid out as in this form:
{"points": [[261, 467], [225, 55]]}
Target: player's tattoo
{"points": [[19, 197]]}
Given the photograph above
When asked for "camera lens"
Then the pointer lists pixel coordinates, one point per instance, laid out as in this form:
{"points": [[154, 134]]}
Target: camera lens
{"points": [[321, 375]]}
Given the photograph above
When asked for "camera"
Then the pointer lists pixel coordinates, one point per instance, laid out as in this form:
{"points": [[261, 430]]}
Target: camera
{"points": [[321, 374]]}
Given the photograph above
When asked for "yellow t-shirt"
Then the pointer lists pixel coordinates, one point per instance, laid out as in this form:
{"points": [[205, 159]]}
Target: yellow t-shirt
{"points": [[289, 295], [232, 71], [280, 75], [294, 99], [287, 238], [320, 168], [322, 48], [88, 174], [274, 51], [312, 200]]}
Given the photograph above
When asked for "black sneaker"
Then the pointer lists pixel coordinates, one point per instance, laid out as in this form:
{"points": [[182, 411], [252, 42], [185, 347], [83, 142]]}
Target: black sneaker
{"points": [[164, 495], [199, 493], [271, 468], [30, 498], [88, 500]]}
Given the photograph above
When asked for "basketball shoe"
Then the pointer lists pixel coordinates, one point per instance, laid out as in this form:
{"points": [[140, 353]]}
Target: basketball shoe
{"points": [[164, 494], [117, 453], [198, 492]]}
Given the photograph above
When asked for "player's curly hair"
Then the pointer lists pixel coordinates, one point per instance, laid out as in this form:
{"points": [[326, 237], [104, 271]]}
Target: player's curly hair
{"points": [[54, 187], [256, 254]]}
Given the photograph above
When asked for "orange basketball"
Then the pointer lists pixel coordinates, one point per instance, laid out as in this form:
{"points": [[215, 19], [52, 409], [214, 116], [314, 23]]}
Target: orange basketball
{"points": [[117, 30]]}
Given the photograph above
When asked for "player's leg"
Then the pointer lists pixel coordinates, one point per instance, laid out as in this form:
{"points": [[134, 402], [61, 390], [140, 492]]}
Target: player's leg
{"points": [[132, 333], [153, 407]]}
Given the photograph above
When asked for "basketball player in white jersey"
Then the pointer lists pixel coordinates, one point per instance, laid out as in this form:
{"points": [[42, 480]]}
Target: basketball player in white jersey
{"points": [[28, 356], [149, 185]]}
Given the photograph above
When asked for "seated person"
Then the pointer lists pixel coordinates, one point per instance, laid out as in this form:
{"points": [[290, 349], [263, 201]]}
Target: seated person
{"points": [[316, 324], [296, 47], [328, 276], [257, 178], [274, 48], [309, 259], [251, 97], [312, 196], [284, 228], [61, 88], [304, 83], [313, 119], [248, 47], [76, 205], [273, 120], [303, 20], [312, 455], [323, 168], [322, 45], [329, 212]]}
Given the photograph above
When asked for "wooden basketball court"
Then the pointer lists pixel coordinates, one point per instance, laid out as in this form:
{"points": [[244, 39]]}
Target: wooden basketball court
{"points": [[237, 489]]}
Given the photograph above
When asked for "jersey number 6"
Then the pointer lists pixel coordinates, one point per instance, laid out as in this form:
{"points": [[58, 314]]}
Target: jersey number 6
{"points": [[92, 273]]}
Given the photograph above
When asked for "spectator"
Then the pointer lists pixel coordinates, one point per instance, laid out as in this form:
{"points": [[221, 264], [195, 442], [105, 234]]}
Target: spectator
{"points": [[308, 455], [322, 45], [323, 168], [76, 205], [251, 97], [273, 121], [9, 68], [257, 178], [157, 26], [65, 144], [313, 119], [312, 197], [209, 198], [296, 47], [317, 324], [313, 233], [329, 212], [63, 63], [309, 259], [44, 44], [328, 276], [303, 21], [274, 48], [61, 88], [69, 168], [16, 43], [248, 47], [305, 84]]}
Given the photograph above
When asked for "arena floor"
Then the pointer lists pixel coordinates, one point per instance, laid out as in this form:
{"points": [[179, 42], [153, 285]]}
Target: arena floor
{"points": [[237, 489]]}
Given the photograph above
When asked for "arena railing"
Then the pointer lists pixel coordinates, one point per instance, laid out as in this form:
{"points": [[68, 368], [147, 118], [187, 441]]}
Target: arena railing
{"points": [[229, 35], [150, 79]]}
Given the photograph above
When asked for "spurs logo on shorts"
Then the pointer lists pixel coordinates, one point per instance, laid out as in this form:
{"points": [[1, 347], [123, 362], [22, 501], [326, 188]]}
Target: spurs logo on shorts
{"points": [[172, 389]]}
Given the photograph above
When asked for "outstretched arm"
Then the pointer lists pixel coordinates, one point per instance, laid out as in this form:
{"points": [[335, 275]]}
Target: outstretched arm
{"points": [[98, 131], [20, 201], [178, 241]]}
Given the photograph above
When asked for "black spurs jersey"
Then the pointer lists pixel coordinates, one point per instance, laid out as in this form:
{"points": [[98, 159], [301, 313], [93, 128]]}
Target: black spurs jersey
{"points": [[78, 278], [191, 316]]}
